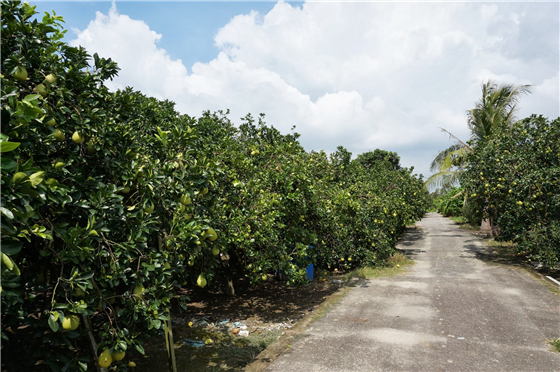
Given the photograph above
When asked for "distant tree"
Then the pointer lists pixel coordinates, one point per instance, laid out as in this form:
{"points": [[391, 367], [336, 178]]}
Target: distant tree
{"points": [[368, 159]]}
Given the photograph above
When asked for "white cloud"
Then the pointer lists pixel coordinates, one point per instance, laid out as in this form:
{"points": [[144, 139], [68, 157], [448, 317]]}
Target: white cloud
{"points": [[134, 46], [361, 75]]}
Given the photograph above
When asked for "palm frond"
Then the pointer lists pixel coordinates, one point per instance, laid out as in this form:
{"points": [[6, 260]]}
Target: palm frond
{"points": [[442, 178], [458, 194], [451, 135], [439, 159]]}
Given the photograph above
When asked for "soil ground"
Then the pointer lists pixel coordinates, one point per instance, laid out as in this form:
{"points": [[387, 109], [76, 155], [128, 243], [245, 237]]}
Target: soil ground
{"points": [[267, 310]]}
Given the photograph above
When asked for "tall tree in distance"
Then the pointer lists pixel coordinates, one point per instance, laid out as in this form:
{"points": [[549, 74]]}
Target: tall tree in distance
{"points": [[497, 105]]}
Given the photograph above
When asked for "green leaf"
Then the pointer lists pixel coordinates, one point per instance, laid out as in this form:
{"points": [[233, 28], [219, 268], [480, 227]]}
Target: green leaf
{"points": [[6, 212], [37, 178], [7, 164], [53, 323], [30, 98], [27, 165], [86, 275], [11, 247], [8, 146], [140, 349]]}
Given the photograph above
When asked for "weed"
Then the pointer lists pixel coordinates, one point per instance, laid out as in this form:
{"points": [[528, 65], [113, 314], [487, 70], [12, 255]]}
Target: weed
{"points": [[555, 343], [394, 265]]}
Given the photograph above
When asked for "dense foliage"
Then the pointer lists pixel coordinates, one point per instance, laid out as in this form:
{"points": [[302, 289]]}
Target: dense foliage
{"points": [[513, 180], [450, 202], [112, 201]]}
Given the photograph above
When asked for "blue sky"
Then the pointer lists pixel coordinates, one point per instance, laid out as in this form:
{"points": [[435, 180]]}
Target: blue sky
{"points": [[363, 75], [188, 27]]}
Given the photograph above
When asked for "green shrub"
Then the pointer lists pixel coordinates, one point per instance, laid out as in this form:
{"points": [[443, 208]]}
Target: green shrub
{"points": [[451, 202]]}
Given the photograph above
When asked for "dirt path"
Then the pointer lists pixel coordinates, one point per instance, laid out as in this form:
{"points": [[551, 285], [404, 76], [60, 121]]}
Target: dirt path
{"points": [[451, 312]]}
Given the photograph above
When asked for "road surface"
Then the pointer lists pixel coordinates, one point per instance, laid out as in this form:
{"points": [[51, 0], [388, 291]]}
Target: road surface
{"points": [[452, 312]]}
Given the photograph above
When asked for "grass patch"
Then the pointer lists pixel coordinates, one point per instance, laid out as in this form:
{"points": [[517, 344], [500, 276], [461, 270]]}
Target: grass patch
{"points": [[507, 246], [261, 341], [464, 224], [458, 219], [394, 265], [555, 344]]}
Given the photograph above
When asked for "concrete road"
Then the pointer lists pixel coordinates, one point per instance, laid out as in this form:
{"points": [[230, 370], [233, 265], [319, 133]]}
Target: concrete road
{"points": [[451, 312]]}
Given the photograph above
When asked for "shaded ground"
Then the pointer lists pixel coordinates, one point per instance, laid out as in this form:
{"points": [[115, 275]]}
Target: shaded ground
{"points": [[504, 253], [267, 311]]}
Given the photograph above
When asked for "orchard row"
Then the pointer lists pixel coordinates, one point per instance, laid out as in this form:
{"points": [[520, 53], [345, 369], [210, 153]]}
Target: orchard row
{"points": [[113, 201]]}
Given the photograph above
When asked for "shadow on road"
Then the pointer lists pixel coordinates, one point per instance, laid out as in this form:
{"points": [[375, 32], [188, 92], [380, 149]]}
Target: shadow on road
{"points": [[408, 241], [501, 255]]}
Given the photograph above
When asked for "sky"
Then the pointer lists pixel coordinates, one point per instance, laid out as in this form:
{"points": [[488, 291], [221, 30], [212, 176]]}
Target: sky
{"points": [[363, 75]]}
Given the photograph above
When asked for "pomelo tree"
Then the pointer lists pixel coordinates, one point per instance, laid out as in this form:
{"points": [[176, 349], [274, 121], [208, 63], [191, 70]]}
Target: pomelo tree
{"points": [[517, 175]]}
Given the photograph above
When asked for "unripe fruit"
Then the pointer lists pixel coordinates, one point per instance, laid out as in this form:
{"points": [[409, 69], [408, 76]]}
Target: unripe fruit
{"points": [[59, 136], [125, 190], [149, 209], [20, 73], [131, 364], [167, 266], [201, 282], [105, 359], [70, 322], [138, 290], [204, 191], [51, 122], [211, 234], [90, 148], [118, 355], [50, 78], [77, 138], [215, 251], [41, 90], [185, 199]]}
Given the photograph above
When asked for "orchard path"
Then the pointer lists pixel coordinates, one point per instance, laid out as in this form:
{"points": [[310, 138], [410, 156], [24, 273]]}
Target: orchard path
{"points": [[451, 312]]}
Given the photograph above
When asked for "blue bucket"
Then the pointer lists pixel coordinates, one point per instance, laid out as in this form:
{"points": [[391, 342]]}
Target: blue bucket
{"points": [[309, 272]]}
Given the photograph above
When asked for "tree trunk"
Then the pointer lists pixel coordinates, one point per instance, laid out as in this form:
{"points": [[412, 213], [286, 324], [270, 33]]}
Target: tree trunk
{"points": [[485, 226], [228, 276]]}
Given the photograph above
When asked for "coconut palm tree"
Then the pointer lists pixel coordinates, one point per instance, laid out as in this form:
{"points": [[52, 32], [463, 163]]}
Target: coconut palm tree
{"points": [[498, 105]]}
